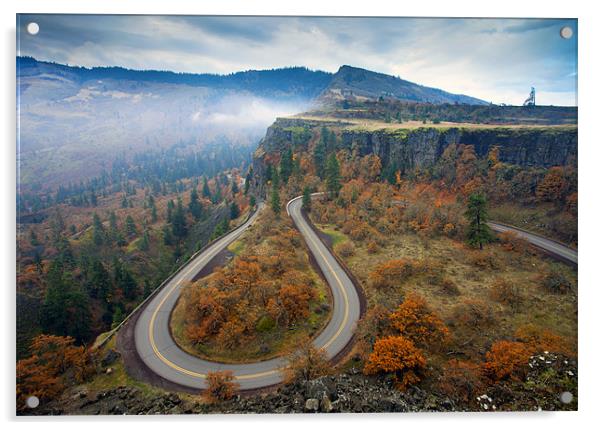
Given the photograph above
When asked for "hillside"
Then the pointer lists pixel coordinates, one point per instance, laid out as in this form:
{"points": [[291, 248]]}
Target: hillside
{"points": [[73, 121], [355, 83]]}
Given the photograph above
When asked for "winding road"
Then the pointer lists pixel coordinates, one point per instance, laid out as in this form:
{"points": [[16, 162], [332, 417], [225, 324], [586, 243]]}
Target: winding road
{"points": [[156, 347], [551, 246]]}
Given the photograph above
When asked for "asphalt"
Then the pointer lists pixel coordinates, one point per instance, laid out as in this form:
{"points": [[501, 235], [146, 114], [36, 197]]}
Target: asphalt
{"points": [[157, 349], [555, 248]]}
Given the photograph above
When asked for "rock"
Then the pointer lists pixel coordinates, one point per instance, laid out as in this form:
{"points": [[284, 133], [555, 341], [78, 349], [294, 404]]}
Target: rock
{"points": [[109, 371], [312, 405], [109, 358], [326, 404]]}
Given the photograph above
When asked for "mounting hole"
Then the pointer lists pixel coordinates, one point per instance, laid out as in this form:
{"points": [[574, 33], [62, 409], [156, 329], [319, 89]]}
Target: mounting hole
{"points": [[33, 28], [32, 402], [566, 397], [566, 32]]}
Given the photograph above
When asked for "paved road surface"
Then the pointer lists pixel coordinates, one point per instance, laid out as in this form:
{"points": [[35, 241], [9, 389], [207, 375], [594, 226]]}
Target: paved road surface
{"points": [[551, 246], [158, 350]]}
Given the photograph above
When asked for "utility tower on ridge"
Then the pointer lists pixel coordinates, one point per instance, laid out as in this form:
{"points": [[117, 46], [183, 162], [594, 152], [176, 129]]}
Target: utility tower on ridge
{"points": [[531, 100]]}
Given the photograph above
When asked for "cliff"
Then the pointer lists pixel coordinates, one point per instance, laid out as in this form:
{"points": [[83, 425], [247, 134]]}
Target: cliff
{"points": [[421, 147]]}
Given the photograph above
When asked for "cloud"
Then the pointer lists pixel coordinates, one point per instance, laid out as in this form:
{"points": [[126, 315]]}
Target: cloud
{"points": [[493, 59]]}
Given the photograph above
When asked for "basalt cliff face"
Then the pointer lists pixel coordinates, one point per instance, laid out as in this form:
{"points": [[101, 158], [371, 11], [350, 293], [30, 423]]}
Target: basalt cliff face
{"points": [[420, 148]]}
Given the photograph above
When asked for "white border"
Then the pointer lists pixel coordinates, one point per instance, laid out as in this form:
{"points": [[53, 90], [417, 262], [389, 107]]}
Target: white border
{"points": [[590, 150]]}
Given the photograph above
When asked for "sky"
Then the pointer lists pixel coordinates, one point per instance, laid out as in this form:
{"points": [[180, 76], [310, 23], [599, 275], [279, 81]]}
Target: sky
{"points": [[497, 60]]}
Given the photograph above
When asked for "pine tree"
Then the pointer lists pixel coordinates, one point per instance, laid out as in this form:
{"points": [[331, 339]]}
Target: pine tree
{"points": [[178, 223], [206, 190], [476, 214], [195, 207], [234, 210], [333, 176], [98, 231], [234, 187], [170, 208], [275, 201], [286, 165], [320, 152], [306, 199], [130, 227]]}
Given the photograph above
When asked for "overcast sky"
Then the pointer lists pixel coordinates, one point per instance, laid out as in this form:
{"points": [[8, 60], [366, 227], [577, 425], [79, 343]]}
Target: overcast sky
{"points": [[493, 59]]}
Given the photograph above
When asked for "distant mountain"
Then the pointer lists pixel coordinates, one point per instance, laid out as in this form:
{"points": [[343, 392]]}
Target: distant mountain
{"points": [[353, 82], [289, 82], [74, 121]]}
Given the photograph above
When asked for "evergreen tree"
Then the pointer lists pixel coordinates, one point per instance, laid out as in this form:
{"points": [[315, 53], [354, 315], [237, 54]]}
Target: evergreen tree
{"points": [[306, 199], [234, 210], [320, 153], [178, 223], [195, 207], [248, 180], [286, 165], [145, 242], [206, 190], [130, 227], [167, 236], [234, 187], [275, 201], [98, 231], [100, 281], [252, 201], [124, 202], [333, 176], [170, 208], [476, 214]]}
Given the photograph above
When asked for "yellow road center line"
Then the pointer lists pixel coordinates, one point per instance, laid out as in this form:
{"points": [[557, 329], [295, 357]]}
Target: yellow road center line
{"points": [[252, 375]]}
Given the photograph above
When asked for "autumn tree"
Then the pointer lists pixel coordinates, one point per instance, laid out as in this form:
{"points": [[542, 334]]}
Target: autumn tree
{"points": [[398, 356], [306, 362], [55, 362], [416, 322], [220, 386], [553, 187], [479, 232], [507, 360]]}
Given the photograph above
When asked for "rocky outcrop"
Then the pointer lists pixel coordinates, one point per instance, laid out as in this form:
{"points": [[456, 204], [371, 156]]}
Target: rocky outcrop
{"points": [[551, 384], [422, 147], [408, 149]]}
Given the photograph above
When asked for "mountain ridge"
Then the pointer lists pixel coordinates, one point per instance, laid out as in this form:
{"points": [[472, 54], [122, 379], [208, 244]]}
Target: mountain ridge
{"points": [[299, 81]]}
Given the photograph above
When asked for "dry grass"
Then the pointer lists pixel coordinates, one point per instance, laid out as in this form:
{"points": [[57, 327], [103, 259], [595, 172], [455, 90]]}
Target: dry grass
{"points": [[456, 277]]}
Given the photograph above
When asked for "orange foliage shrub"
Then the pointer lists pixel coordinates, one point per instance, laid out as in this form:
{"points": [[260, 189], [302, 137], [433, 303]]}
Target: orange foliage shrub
{"points": [[417, 322], [399, 356], [553, 186], [392, 273], [507, 360], [220, 386], [55, 362], [462, 379], [543, 340]]}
